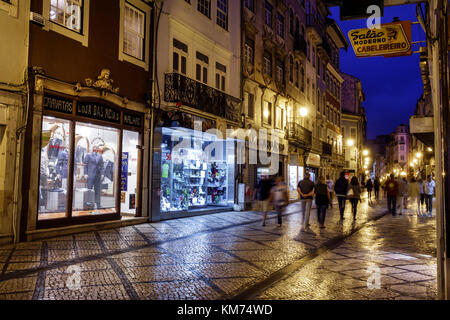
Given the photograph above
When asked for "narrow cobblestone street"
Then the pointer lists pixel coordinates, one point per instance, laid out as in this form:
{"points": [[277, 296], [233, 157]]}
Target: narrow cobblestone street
{"points": [[229, 255]]}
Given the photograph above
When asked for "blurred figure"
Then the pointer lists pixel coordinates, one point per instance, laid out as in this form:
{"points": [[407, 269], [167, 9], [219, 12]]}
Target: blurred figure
{"points": [[323, 198], [401, 191], [376, 187], [305, 189], [330, 185], [414, 193], [422, 193], [262, 192], [341, 188], [391, 187], [405, 193], [354, 195], [429, 188], [279, 197], [369, 187]]}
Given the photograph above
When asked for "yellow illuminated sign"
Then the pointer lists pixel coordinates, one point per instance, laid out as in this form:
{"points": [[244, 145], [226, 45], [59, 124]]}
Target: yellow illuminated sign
{"points": [[391, 39]]}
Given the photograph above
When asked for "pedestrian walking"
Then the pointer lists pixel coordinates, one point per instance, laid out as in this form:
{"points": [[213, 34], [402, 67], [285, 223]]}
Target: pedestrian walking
{"points": [[429, 187], [330, 185], [405, 193], [401, 191], [414, 193], [305, 189], [354, 195], [376, 188], [341, 188], [262, 192], [323, 198], [369, 187], [391, 187], [279, 197], [422, 194]]}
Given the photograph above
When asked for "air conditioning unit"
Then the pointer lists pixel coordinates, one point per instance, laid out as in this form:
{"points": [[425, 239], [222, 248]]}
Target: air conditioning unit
{"points": [[37, 18]]}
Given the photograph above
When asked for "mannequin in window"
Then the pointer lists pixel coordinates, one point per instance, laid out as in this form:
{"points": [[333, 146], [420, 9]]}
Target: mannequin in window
{"points": [[61, 167], [93, 166]]}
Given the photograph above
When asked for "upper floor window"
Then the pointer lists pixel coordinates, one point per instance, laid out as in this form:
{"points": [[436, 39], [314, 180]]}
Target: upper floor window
{"points": [[67, 13], [180, 51], [291, 21], [222, 13], [204, 6], [280, 25], [249, 49], [280, 72], [267, 65], [201, 68], [296, 75], [249, 101], [268, 14], [221, 72], [291, 69], [134, 35], [250, 4]]}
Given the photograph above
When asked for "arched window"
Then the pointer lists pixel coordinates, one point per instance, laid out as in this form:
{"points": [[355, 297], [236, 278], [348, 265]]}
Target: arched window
{"points": [[291, 21], [296, 75], [302, 78]]}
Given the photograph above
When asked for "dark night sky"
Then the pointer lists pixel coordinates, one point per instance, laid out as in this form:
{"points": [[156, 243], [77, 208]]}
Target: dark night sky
{"points": [[391, 85]]}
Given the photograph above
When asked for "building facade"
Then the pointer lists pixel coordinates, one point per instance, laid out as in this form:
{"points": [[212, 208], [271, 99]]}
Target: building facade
{"points": [[198, 50], [354, 125], [88, 122], [13, 103]]}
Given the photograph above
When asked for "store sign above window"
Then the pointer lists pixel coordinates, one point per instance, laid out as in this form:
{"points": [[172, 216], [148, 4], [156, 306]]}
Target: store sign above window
{"points": [[98, 112], [133, 120], [58, 104], [390, 40]]}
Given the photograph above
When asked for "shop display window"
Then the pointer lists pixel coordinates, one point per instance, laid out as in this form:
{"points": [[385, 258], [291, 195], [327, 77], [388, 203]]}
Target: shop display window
{"points": [[54, 166], [197, 171], [95, 169], [129, 173]]}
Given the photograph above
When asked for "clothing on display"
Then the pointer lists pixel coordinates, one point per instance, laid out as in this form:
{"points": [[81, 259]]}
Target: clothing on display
{"points": [[80, 153], [53, 148], [93, 163], [62, 163]]}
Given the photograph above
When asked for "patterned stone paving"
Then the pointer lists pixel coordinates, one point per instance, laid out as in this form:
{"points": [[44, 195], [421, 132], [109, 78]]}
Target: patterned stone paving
{"points": [[209, 257], [401, 247]]}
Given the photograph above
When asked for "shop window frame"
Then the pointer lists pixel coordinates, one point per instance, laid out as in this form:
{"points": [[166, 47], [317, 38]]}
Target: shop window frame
{"points": [[74, 119]]}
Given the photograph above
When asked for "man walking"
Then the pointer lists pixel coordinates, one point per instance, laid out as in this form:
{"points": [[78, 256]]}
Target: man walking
{"points": [[391, 187], [376, 187], [429, 187], [401, 190], [341, 188], [305, 189], [262, 190], [330, 185]]}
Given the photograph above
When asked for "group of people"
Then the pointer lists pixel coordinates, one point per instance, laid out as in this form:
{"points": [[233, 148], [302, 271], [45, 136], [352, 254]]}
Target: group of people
{"points": [[277, 194], [398, 191]]}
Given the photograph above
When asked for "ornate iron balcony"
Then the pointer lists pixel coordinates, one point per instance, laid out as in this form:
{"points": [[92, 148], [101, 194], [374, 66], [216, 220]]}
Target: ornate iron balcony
{"points": [[298, 135], [191, 93]]}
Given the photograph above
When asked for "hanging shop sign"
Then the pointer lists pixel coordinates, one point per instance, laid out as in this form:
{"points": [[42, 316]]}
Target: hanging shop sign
{"points": [[97, 111], [313, 160], [390, 40]]}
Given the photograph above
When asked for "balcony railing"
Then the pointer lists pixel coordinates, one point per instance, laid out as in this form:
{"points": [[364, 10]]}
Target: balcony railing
{"points": [[316, 145], [298, 135], [327, 149], [191, 93]]}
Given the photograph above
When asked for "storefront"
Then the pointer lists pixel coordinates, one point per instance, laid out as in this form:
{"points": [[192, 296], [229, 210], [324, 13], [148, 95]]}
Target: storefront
{"points": [[295, 174], [90, 161], [196, 170]]}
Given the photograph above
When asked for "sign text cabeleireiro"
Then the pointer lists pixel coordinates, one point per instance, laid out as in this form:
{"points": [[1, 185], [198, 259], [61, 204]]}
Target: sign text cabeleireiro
{"points": [[392, 39]]}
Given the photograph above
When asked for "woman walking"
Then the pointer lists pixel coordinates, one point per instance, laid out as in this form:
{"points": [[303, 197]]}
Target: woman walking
{"points": [[323, 199], [414, 193], [405, 194], [354, 195], [422, 193]]}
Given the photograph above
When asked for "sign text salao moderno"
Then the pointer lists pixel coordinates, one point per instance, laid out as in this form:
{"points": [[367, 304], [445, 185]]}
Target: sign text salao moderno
{"points": [[389, 39]]}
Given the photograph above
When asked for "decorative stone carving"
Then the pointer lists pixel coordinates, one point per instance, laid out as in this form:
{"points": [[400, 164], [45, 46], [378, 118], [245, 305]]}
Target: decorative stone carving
{"points": [[103, 83]]}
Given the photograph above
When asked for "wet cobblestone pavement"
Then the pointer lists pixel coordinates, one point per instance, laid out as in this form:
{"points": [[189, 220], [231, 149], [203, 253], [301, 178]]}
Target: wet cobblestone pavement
{"points": [[400, 249], [221, 255]]}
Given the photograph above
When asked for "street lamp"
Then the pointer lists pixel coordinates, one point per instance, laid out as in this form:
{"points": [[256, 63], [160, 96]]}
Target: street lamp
{"points": [[430, 149], [303, 112], [350, 142], [419, 155], [365, 152]]}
